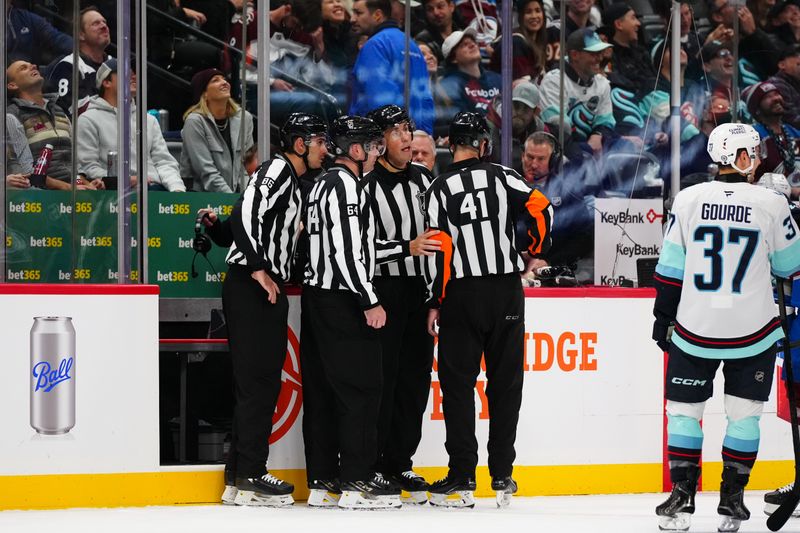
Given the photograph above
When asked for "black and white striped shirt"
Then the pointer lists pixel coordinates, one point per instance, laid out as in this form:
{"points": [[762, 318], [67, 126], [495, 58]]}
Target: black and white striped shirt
{"points": [[398, 201], [266, 220], [476, 205], [342, 248]]}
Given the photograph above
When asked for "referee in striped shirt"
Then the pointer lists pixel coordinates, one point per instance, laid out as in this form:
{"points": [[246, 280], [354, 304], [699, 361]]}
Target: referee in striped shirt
{"points": [[397, 190], [342, 368], [265, 223], [476, 205]]}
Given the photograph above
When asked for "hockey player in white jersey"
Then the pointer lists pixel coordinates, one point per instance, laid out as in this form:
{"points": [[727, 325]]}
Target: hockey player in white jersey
{"points": [[714, 290]]}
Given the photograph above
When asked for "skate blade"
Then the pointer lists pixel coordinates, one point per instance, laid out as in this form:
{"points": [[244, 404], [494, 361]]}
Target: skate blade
{"points": [[414, 498], [253, 499], [460, 498], [353, 499], [728, 524], [679, 522], [503, 498], [229, 495], [323, 498], [770, 508]]}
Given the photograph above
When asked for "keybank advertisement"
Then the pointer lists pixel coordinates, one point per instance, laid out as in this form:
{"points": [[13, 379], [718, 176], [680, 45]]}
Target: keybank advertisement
{"points": [[625, 230], [79, 385]]}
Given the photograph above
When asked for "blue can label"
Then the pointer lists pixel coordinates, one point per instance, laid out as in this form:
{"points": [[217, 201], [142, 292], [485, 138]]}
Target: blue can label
{"points": [[46, 377]]}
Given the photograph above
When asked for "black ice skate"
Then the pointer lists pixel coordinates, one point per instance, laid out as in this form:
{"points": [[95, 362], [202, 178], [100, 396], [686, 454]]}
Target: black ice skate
{"points": [[504, 488], [324, 493], [453, 492], [731, 508], [675, 514], [774, 499], [266, 490], [373, 493], [414, 486]]}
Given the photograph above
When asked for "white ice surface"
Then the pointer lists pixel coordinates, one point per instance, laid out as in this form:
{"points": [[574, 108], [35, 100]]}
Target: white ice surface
{"points": [[567, 514]]}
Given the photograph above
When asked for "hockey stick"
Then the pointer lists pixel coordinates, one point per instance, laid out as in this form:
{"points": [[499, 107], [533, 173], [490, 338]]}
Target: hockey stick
{"points": [[782, 513]]}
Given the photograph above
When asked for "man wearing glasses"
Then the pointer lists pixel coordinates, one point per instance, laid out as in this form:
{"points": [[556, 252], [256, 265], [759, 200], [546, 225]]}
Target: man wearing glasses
{"points": [[718, 67]]}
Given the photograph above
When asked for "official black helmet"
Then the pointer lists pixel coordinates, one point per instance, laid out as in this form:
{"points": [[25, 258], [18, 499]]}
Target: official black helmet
{"points": [[468, 129], [389, 116], [301, 125], [352, 129]]}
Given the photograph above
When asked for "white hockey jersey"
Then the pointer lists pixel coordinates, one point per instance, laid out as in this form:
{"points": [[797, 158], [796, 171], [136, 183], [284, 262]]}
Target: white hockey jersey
{"points": [[713, 276], [587, 105]]}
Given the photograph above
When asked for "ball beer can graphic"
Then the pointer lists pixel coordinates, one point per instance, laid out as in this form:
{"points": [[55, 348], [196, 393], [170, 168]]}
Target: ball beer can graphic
{"points": [[52, 375]]}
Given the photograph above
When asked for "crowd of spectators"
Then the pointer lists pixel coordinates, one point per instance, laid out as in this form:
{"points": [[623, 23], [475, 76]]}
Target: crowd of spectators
{"points": [[331, 56]]}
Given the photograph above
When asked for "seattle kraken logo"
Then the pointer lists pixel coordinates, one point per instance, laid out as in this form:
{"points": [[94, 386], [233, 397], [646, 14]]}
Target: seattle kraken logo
{"points": [[47, 378]]}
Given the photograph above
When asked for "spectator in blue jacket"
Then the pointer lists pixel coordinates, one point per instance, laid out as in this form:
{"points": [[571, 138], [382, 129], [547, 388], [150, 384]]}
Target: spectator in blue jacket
{"points": [[29, 37], [378, 75]]}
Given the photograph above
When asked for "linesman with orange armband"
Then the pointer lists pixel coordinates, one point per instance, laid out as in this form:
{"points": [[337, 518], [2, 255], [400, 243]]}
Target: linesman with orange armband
{"points": [[478, 303]]}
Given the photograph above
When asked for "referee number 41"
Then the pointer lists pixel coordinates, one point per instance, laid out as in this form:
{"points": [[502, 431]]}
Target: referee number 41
{"points": [[476, 210]]}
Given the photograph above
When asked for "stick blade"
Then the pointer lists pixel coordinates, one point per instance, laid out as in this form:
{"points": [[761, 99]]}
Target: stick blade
{"points": [[778, 519]]}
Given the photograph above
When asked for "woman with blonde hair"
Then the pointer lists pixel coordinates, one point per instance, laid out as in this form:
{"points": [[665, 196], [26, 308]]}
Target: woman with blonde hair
{"points": [[213, 150]]}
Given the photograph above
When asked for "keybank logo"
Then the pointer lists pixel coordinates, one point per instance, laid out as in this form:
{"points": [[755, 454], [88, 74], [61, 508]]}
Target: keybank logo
{"points": [[626, 217], [47, 378], [638, 250], [622, 217]]}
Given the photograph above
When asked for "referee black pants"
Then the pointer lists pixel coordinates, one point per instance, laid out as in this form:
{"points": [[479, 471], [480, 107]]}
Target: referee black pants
{"points": [[257, 335], [482, 315], [342, 380], [407, 359]]}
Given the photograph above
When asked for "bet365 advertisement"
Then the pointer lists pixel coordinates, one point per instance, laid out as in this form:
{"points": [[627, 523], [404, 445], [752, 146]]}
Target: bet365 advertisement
{"points": [[79, 386], [53, 239]]}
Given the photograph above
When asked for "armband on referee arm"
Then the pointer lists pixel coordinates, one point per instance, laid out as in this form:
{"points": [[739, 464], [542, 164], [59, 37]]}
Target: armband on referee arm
{"points": [[540, 210], [437, 285]]}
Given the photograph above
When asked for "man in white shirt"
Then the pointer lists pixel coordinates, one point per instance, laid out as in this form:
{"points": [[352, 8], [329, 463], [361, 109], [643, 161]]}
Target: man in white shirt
{"points": [[97, 136]]}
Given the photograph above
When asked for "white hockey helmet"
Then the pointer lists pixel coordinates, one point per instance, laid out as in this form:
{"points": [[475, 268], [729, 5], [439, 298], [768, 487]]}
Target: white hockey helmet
{"points": [[776, 182], [727, 139]]}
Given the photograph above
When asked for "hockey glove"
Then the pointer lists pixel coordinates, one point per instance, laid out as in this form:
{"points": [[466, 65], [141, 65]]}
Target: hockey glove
{"points": [[662, 334]]}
